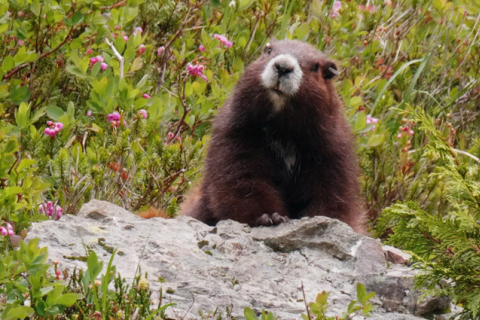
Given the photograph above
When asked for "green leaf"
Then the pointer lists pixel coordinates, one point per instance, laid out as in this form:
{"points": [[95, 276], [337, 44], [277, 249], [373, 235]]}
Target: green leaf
{"points": [[77, 18], [375, 140], [19, 94], [249, 314], [73, 69], [68, 299], [142, 82], [361, 293], [8, 63], [19, 313], [94, 266], [35, 7], [3, 28], [360, 121], [55, 112], [10, 147]]}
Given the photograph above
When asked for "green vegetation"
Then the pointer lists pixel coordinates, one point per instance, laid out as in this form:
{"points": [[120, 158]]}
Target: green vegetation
{"points": [[113, 100], [30, 291]]}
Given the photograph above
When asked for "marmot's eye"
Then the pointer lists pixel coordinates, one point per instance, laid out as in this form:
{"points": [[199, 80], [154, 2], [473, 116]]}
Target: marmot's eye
{"points": [[315, 67], [267, 49]]}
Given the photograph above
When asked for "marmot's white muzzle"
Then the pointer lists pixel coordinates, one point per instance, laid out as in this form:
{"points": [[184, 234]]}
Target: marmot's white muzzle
{"points": [[282, 75]]}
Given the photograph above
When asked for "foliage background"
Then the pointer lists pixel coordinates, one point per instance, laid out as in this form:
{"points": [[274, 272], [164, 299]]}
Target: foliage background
{"points": [[397, 58]]}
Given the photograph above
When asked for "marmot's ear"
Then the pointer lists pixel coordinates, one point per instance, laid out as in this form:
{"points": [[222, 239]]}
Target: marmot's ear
{"points": [[329, 70]]}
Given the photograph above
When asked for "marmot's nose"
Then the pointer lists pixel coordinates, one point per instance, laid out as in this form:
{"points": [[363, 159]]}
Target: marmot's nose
{"points": [[282, 69]]}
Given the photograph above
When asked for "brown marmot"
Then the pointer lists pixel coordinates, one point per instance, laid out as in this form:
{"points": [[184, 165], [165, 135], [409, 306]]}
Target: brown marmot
{"points": [[280, 148]]}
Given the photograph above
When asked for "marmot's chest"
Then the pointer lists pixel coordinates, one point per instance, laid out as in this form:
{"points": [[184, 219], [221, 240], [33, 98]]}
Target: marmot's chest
{"points": [[285, 151]]}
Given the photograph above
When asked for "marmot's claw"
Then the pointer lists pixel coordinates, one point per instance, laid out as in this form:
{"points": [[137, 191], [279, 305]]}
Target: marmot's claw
{"points": [[273, 219], [278, 218]]}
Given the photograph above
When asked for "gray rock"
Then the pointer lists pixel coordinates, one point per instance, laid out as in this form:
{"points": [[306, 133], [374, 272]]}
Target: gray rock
{"points": [[235, 266]]}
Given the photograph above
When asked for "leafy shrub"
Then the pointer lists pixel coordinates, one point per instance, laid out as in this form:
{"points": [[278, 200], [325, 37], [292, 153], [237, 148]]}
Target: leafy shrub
{"points": [[446, 246]]}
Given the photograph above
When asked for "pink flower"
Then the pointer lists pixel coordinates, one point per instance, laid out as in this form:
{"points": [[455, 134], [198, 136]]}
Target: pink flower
{"points": [[201, 48], [96, 59], [89, 113], [399, 135], [170, 135], [137, 30], [125, 38], [103, 66], [10, 229], [53, 128], [59, 211], [21, 13], [3, 231], [51, 210], [49, 132], [411, 132], [337, 6], [93, 61], [196, 70], [223, 40], [146, 96], [58, 126], [371, 120], [89, 51], [160, 50], [114, 116], [141, 49], [143, 113], [21, 43]]}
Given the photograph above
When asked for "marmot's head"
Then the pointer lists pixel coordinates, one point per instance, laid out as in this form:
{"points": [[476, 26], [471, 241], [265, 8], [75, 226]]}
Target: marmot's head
{"points": [[292, 68]]}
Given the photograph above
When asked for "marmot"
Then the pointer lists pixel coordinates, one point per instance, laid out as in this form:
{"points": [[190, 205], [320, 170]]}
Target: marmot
{"points": [[280, 148]]}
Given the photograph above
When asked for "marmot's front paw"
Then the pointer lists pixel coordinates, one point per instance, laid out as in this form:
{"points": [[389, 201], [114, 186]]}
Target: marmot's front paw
{"points": [[271, 219]]}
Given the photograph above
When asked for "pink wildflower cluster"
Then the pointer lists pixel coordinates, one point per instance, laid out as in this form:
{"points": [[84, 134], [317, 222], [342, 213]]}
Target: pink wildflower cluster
{"points": [[372, 120], [100, 59], [7, 231], [201, 48], [141, 49], [405, 130], [51, 210], [223, 40], [146, 96], [160, 50], [337, 6], [114, 118], [196, 70], [53, 128], [142, 113]]}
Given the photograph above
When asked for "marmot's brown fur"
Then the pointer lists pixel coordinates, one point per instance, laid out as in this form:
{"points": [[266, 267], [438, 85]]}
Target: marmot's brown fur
{"points": [[280, 148]]}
